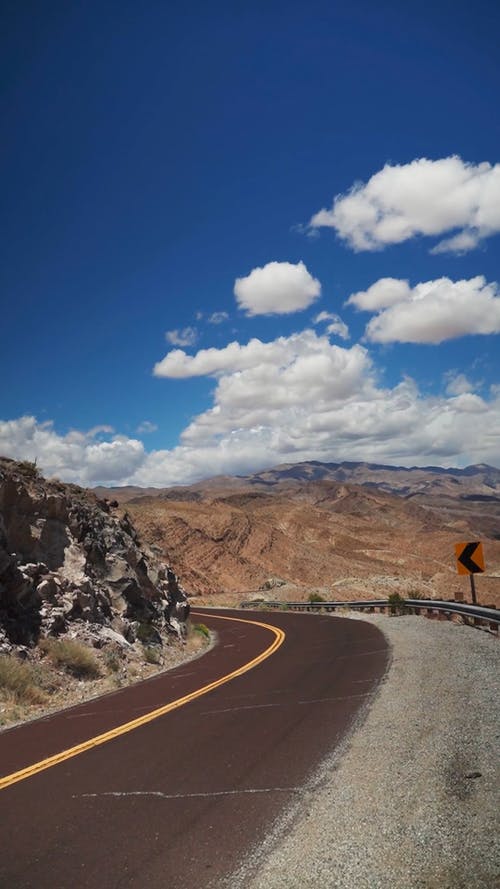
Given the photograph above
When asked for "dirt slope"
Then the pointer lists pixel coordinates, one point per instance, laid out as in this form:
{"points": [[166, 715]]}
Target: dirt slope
{"points": [[339, 539]]}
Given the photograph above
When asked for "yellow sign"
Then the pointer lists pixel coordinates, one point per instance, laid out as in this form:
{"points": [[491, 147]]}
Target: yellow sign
{"points": [[470, 558]]}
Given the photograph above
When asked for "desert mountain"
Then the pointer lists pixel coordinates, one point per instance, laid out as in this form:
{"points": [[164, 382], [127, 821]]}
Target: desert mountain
{"points": [[471, 494], [346, 530]]}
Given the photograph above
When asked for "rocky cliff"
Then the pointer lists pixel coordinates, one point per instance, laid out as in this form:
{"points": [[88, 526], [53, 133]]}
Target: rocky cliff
{"points": [[68, 558]]}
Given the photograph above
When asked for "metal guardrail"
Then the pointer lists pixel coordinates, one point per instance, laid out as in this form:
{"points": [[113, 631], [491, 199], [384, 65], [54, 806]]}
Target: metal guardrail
{"points": [[478, 614]]}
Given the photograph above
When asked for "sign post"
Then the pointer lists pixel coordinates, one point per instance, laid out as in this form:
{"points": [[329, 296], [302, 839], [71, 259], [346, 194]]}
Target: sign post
{"points": [[470, 560]]}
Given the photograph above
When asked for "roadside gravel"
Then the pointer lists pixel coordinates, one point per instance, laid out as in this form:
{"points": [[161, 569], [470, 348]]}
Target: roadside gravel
{"points": [[412, 799]]}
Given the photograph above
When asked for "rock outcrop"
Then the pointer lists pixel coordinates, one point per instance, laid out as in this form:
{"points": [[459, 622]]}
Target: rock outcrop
{"points": [[66, 557]]}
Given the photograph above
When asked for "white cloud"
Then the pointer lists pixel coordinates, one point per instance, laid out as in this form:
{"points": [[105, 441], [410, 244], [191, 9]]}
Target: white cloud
{"points": [[384, 293], [232, 358], [324, 316], [217, 317], [430, 312], [146, 427], [100, 430], [468, 403], [424, 197], [187, 336], [337, 327], [461, 243], [278, 288], [457, 383], [300, 375]]}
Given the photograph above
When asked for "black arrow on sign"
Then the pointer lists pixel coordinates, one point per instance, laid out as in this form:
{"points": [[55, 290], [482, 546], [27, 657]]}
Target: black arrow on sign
{"points": [[465, 558]]}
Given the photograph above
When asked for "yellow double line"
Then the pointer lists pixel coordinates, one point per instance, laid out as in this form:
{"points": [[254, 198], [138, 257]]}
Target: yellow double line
{"points": [[29, 771]]}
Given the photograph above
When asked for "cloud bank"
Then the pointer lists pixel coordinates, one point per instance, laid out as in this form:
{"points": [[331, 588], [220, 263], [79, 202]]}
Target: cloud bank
{"points": [[294, 398], [75, 457], [424, 197]]}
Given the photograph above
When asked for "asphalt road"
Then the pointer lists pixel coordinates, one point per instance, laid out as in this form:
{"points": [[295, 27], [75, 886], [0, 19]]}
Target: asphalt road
{"points": [[178, 801]]}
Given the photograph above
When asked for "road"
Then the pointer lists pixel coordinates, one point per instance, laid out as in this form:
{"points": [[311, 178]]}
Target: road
{"points": [[176, 802]]}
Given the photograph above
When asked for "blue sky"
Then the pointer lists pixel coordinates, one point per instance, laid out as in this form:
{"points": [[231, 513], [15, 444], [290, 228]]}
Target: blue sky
{"points": [[154, 156]]}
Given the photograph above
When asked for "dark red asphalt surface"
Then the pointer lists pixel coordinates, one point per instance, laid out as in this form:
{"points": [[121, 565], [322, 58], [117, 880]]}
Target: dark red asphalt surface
{"points": [[177, 803]]}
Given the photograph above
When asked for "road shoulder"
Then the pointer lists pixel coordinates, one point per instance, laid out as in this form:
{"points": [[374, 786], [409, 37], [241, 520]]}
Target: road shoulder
{"points": [[411, 799]]}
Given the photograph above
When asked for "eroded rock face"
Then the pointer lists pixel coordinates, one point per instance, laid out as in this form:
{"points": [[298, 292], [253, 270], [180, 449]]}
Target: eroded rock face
{"points": [[66, 556]]}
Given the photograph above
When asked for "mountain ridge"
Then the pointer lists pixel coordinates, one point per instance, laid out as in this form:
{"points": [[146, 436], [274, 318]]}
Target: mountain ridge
{"points": [[308, 469]]}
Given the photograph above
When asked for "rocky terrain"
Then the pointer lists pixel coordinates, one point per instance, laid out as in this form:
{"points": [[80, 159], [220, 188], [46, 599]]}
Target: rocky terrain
{"points": [[73, 571], [307, 527]]}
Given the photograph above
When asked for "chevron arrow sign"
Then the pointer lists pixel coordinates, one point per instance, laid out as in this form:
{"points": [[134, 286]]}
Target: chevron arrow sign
{"points": [[470, 558]]}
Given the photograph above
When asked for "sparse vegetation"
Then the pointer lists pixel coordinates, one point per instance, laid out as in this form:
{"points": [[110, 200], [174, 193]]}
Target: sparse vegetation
{"points": [[112, 661], [315, 597], [20, 681], [146, 633], [152, 654], [416, 594], [77, 659], [203, 630], [396, 603], [29, 468]]}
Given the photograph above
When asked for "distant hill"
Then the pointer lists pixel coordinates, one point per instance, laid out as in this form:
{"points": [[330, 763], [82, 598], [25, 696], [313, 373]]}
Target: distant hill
{"points": [[344, 529], [124, 493], [471, 494], [400, 480]]}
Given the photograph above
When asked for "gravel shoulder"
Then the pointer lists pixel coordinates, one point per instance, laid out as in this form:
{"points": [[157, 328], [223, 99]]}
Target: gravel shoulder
{"points": [[412, 799]]}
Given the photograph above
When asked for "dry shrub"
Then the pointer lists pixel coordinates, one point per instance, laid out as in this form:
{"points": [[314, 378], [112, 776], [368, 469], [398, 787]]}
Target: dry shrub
{"points": [[416, 594], [315, 597], [29, 468], [112, 661], [20, 681], [203, 630], [77, 659], [396, 604], [151, 654]]}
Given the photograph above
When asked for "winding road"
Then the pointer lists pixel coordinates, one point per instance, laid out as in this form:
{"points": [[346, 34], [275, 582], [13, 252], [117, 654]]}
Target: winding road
{"points": [[169, 783]]}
